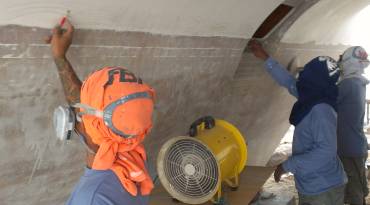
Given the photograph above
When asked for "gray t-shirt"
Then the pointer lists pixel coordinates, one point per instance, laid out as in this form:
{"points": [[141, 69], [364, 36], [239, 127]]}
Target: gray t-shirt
{"points": [[351, 111]]}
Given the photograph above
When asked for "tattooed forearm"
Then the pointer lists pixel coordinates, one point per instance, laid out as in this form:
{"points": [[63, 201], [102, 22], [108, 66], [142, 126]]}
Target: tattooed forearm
{"points": [[71, 83]]}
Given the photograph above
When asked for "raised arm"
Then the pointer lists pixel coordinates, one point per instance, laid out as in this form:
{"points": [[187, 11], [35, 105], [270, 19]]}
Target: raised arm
{"points": [[60, 42], [277, 71]]}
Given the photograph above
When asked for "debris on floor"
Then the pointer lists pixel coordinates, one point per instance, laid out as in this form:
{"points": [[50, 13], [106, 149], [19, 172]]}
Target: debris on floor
{"points": [[284, 192], [269, 198]]}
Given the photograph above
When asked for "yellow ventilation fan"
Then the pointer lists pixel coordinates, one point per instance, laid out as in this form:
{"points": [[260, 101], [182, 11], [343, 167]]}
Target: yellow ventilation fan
{"points": [[191, 168]]}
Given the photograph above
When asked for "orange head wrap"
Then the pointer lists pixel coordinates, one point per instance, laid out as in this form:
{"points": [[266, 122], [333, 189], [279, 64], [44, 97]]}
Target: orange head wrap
{"points": [[124, 156]]}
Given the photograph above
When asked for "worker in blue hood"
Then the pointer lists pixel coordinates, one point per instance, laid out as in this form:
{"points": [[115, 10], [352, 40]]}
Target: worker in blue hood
{"points": [[317, 169]]}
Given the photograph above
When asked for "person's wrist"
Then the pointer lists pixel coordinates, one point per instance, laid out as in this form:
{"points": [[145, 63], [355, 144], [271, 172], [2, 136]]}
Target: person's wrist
{"points": [[59, 57], [265, 56], [282, 168]]}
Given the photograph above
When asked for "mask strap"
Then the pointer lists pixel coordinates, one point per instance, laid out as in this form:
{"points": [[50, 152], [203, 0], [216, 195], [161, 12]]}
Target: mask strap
{"points": [[108, 111], [87, 110], [83, 141]]}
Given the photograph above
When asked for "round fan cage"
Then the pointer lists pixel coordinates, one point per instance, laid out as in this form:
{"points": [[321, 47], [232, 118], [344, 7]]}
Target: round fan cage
{"points": [[189, 171]]}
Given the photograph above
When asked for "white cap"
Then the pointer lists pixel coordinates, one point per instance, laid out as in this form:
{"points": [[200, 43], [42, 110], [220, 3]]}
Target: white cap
{"points": [[354, 60]]}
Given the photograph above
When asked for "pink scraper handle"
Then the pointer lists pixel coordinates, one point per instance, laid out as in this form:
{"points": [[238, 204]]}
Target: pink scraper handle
{"points": [[62, 21]]}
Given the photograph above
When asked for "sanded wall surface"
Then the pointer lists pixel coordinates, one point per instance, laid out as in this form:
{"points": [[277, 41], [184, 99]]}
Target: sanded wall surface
{"points": [[341, 22], [191, 75], [231, 18]]}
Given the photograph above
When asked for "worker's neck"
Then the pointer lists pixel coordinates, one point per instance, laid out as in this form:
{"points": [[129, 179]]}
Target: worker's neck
{"points": [[89, 159]]}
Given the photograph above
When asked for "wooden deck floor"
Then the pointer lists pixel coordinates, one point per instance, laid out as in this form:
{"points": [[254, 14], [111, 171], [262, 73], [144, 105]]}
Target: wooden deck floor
{"points": [[251, 180]]}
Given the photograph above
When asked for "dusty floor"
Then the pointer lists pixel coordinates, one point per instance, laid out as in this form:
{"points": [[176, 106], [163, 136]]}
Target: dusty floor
{"points": [[286, 187]]}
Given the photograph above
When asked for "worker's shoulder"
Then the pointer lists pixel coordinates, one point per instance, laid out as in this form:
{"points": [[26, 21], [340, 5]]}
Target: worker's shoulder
{"points": [[93, 185], [353, 82], [97, 178], [107, 187], [109, 191], [353, 90], [323, 110]]}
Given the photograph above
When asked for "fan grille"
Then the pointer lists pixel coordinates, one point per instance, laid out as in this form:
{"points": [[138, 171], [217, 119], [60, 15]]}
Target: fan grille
{"points": [[191, 169]]}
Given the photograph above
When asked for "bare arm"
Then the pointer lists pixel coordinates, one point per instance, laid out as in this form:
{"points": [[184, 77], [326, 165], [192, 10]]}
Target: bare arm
{"points": [[71, 83], [60, 42]]}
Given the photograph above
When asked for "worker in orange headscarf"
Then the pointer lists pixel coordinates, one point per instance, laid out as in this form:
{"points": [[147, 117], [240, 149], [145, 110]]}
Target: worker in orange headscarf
{"points": [[114, 110]]}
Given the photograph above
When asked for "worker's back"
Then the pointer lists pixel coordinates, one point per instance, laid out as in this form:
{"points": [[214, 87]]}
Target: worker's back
{"points": [[351, 110], [102, 187]]}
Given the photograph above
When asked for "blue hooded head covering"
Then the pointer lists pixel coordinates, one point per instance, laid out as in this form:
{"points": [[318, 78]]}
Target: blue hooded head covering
{"points": [[317, 83]]}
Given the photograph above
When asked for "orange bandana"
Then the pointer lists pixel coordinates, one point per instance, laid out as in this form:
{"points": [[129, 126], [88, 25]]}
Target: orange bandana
{"points": [[124, 156]]}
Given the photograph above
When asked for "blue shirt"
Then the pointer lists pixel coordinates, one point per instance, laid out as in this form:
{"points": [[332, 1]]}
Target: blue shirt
{"points": [[351, 112], [314, 161], [98, 187]]}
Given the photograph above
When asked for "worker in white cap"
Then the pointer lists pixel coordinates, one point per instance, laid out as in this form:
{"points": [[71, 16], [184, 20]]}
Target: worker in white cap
{"points": [[352, 143]]}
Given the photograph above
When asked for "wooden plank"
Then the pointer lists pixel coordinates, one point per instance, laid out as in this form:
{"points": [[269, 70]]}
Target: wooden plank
{"points": [[251, 181], [272, 20]]}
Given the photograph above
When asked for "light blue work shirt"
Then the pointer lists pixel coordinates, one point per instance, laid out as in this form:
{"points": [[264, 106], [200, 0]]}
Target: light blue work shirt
{"points": [[314, 161], [102, 187]]}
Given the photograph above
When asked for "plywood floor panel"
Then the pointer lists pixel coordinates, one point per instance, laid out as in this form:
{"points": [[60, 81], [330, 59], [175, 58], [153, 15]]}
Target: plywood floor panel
{"points": [[251, 180]]}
